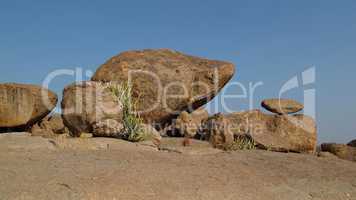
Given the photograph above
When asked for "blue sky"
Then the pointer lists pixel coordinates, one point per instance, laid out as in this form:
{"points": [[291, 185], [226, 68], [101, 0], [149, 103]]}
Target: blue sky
{"points": [[269, 41]]}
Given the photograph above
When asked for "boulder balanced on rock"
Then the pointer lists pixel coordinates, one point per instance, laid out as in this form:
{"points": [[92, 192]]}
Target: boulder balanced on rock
{"points": [[166, 82], [284, 133], [282, 106], [23, 105]]}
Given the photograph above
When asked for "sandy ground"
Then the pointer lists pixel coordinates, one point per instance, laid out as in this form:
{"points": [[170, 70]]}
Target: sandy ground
{"points": [[101, 168]]}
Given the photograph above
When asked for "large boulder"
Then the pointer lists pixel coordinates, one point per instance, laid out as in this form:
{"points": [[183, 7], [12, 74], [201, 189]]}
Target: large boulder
{"points": [[352, 143], [282, 106], [166, 82], [284, 133], [340, 150], [88, 103], [23, 105], [50, 126]]}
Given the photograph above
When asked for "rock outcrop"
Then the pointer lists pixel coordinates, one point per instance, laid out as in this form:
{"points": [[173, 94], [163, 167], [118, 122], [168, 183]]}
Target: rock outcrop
{"points": [[50, 126], [283, 133], [340, 150], [282, 106], [218, 132], [23, 105], [188, 124], [352, 143], [87, 103], [166, 82], [150, 133]]}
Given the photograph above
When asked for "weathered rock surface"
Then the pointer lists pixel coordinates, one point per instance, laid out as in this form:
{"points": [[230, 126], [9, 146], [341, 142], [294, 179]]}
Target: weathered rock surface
{"points": [[87, 103], [217, 129], [150, 133], [166, 82], [340, 150], [352, 143], [23, 105], [50, 126], [284, 133], [108, 128], [188, 124], [282, 106]]}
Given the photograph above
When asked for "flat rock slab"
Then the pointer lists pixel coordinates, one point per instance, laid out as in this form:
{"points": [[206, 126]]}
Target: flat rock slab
{"points": [[134, 173]]}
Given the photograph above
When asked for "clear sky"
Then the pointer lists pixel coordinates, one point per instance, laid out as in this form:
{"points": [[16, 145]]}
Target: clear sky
{"points": [[269, 41]]}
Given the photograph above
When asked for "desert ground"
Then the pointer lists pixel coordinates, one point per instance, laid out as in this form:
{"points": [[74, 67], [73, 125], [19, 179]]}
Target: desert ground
{"points": [[103, 168]]}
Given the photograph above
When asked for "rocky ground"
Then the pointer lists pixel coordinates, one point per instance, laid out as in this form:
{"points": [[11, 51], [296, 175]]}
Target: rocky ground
{"points": [[101, 168]]}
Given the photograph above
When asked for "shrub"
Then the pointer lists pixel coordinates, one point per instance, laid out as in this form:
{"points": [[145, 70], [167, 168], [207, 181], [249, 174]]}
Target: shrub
{"points": [[132, 122], [242, 142]]}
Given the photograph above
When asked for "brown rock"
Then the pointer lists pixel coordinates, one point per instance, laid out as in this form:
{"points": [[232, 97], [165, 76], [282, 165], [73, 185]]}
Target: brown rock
{"points": [[219, 134], [23, 105], [340, 150], [87, 103], [282, 106], [352, 143], [166, 82], [108, 128], [273, 132], [50, 126], [188, 124], [150, 133]]}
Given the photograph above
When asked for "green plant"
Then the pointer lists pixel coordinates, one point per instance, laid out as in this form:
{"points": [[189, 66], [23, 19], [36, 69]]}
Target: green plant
{"points": [[242, 142], [132, 122]]}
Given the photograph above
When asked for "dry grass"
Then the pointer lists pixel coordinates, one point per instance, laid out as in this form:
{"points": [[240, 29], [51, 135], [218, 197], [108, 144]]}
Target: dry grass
{"points": [[132, 122]]}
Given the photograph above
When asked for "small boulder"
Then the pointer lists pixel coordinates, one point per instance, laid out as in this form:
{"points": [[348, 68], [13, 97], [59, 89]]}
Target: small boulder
{"points": [[188, 124], [282, 106], [50, 126], [150, 133], [108, 128], [342, 151], [88, 103], [352, 143], [23, 105], [219, 135], [166, 82]]}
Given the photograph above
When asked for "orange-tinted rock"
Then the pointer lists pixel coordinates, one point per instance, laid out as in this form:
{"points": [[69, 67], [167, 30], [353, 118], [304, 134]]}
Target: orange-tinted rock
{"points": [[166, 82], [188, 124], [87, 103], [273, 132], [50, 126], [23, 105], [340, 150]]}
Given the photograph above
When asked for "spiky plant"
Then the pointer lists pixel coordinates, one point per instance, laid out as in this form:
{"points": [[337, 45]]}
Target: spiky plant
{"points": [[132, 122], [242, 142]]}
